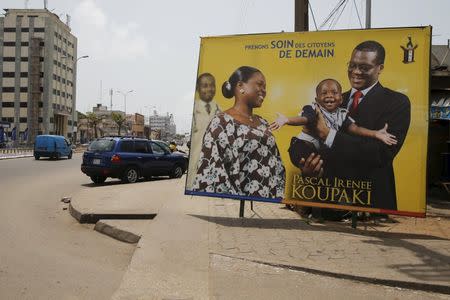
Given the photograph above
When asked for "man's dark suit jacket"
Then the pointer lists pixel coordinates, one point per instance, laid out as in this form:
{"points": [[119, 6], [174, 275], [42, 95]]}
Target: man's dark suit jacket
{"points": [[360, 158]]}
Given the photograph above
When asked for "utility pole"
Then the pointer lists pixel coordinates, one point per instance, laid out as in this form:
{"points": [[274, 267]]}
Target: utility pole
{"points": [[301, 15], [368, 13]]}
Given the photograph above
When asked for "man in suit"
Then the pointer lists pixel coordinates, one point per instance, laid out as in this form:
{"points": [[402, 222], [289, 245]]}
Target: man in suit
{"points": [[372, 106], [205, 109]]}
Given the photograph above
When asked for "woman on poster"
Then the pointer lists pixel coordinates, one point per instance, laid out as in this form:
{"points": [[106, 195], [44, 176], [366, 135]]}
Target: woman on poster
{"points": [[239, 155]]}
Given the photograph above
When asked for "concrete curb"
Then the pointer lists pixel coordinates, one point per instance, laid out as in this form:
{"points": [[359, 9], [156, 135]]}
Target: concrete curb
{"points": [[417, 286], [16, 156], [92, 218], [117, 233]]}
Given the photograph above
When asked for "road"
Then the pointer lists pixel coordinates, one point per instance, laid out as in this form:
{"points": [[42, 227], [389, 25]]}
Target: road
{"points": [[44, 252]]}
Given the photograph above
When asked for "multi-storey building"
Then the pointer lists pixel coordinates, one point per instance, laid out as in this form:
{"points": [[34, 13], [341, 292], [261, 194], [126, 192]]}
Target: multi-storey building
{"points": [[38, 55], [164, 124]]}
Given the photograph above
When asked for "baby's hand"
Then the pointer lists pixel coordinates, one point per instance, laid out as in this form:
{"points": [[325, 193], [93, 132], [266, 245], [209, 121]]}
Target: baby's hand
{"points": [[279, 122], [385, 137]]}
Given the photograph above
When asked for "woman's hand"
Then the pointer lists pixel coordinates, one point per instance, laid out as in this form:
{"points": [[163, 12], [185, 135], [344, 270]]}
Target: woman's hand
{"points": [[279, 122], [321, 126], [312, 166]]}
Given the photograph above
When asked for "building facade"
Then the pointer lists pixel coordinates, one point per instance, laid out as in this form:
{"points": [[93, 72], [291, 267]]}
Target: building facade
{"points": [[165, 125], [38, 73]]}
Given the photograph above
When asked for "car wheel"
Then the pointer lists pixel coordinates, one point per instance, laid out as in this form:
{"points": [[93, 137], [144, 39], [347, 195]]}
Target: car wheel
{"points": [[36, 157], [177, 172], [131, 175], [70, 155], [98, 179]]}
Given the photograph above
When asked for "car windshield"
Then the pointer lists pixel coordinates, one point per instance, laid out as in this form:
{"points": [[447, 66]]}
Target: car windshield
{"points": [[102, 145]]}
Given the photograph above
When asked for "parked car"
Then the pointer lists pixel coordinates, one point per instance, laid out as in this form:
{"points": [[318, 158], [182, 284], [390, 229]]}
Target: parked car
{"points": [[53, 146], [129, 159]]}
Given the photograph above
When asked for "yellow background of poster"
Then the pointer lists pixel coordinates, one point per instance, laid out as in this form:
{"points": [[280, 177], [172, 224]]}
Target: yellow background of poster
{"points": [[291, 84]]}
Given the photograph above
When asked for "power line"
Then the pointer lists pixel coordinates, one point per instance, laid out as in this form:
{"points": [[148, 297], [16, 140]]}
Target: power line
{"points": [[312, 13], [327, 19], [357, 13]]}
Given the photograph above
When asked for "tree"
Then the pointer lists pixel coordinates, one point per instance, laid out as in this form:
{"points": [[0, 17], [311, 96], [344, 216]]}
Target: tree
{"points": [[119, 119], [93, 121]]}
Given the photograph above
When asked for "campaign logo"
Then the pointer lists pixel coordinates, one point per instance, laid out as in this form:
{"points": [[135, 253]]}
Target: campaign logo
{"points": [[408, 51]]}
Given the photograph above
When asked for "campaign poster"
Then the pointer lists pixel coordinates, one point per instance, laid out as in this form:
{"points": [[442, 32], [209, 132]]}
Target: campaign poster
{"points": [[331, 119]]}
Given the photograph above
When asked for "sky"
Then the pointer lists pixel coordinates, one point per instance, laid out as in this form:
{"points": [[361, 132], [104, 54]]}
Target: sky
{"points": [[151, 47]]}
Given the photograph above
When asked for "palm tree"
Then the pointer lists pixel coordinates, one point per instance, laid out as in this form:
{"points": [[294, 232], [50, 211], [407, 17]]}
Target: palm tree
{"points": [[119, 119], [93, 121]]}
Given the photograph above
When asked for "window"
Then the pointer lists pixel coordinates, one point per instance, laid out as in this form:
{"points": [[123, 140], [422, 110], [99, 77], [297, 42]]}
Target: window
{"points": [[55, 47], [24, 44], [51, 120], [55, 62], [63, 80], [75, 123], [26, 29], [140, 147], [7, 104], [39, 29], [23, 104], [23, 89], [22, 120], [102, 145], [126, 146], [23, 74], [9, 29], [8, 89], [9, 44], [9, 58], [10, 119], [69, 122], [24, 59], [9, 74], [156, 149], [40, 120], [54, 76], [41, 104]]}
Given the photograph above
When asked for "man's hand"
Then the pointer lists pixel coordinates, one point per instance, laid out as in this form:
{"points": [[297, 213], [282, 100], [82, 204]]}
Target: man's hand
{"points": [[312, 166], [321, 126], [279, 122]]}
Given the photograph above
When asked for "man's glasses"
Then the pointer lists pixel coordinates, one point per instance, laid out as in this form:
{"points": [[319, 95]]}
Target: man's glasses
{"points": [[363, 68]]}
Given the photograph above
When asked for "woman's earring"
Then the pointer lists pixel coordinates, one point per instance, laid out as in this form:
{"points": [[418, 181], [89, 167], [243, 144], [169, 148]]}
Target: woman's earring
{"points": [[241, 91]]}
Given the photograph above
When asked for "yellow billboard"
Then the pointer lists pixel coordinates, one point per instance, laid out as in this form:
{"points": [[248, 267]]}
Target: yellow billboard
{"points": [[335, 119]]}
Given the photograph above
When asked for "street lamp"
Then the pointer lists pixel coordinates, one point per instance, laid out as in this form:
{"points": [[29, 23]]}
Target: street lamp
{"points": [[124, 94]]}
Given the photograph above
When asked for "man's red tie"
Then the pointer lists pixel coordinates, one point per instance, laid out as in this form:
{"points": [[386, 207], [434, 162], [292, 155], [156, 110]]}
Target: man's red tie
{"points": [[356, 96]]}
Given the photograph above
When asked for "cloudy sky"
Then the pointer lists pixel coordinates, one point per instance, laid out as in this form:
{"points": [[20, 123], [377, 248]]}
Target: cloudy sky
{"points": [[152, 47]]}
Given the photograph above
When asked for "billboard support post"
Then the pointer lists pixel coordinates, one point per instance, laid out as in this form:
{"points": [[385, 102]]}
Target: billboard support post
{"points": [[241, 209]]}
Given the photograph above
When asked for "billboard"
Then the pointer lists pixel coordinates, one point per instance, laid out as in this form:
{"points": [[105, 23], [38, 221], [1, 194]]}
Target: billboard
{"points": [[334, 119]]}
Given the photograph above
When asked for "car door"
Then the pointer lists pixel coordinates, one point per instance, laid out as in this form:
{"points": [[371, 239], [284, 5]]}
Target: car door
{"points": [[161, 162], [144, 157]]}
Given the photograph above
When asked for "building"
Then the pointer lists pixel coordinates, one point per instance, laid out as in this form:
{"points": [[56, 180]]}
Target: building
{"points": [[438, 165], [136, 123], [38, 73], [165, 125], [106, 125]]}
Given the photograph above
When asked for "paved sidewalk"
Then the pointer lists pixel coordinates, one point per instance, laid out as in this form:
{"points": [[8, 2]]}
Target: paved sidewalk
{"points": [[196, 248]]}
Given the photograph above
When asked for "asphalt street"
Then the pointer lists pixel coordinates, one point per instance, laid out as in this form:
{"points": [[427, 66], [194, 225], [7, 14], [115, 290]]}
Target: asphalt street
{"points": [[44, 252]]}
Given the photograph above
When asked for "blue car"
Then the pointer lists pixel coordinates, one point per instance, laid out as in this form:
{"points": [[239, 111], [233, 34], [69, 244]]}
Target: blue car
{"points": [[53, 146], [130, 159]]}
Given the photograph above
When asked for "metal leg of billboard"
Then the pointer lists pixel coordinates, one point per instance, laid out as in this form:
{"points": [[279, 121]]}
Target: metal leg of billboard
{"points": [[241, 209], [354, 219]]}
